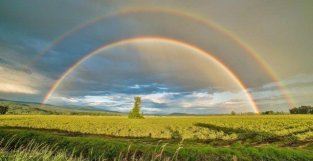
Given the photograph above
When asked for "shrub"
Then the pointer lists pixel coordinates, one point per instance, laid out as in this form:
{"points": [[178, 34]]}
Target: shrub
{"points": [[3, 109]]}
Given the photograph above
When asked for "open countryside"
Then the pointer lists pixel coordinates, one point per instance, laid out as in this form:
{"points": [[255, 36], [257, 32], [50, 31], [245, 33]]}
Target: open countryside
{"points": [[156, 80]]}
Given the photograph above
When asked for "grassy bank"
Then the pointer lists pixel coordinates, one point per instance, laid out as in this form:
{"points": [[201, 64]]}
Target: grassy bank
{"points": [[95, 148]]}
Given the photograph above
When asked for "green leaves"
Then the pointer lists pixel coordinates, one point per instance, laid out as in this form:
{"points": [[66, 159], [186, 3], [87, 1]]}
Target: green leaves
{"points": [[136, 113]]}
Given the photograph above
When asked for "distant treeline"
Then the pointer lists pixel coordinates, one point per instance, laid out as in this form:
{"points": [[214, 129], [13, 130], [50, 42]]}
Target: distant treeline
{"points": [[302, 110], [274, 113], [24, 108], [295, 110]]}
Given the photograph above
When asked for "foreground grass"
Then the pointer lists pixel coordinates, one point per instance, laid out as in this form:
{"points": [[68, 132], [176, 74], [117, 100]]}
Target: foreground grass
{"points": [[35, 154], [62, 146], [33, 151]]}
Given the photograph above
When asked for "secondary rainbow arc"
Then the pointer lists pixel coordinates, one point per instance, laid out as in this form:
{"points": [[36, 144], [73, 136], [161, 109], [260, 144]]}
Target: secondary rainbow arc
{"points": [[249, 50], [162, 39]]}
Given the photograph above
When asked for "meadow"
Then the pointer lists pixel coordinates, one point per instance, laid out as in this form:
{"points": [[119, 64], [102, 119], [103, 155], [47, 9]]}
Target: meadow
{"points": [[252, 129], [255, 137]]}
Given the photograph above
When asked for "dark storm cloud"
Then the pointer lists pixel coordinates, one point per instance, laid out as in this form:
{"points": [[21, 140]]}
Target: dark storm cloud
{"points": [[61, 57], [46, 19]]}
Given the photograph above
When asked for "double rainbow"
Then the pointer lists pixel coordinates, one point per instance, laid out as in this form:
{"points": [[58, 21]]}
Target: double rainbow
{"points": [[197, 19]]}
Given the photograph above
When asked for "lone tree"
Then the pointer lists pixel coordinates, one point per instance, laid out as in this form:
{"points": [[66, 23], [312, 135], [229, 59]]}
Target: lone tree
{"points": [[135, 113], [3, 109]]}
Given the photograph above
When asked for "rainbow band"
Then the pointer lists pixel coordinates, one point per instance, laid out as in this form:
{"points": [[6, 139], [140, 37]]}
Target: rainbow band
{"points": [[260, 61], [162, 39]]}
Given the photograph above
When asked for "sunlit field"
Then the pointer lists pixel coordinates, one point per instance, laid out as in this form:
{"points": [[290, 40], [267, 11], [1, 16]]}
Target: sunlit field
{"points": [[241, 137], [251, 129]]}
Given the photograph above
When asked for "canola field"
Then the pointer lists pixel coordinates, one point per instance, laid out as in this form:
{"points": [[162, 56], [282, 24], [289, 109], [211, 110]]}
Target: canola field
{"points": [[287, 129]]}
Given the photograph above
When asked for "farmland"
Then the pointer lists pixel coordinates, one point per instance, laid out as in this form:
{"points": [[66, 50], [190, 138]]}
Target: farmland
{"points": [[285, 134], [253, 129]]}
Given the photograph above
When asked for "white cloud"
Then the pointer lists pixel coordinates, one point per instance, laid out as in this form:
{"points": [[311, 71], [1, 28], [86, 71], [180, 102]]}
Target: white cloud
{"points": [[216, 100], [136, 86], [164, 97], [150, 110], [15, 81], [157, 102], [296, 80], [298, 88], [16, 88]]}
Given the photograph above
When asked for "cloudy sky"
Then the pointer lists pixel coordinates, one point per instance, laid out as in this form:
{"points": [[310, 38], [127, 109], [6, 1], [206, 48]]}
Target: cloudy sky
{"points": [[168, 56]]}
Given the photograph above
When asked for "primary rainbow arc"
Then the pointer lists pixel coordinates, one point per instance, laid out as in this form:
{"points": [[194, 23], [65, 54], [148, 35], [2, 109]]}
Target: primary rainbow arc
{"points": [[162, 39]]}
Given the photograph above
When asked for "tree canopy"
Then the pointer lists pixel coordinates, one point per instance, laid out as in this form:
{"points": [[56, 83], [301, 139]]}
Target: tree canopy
{"points": [[3, 109], [136, 113], [302, 110]]}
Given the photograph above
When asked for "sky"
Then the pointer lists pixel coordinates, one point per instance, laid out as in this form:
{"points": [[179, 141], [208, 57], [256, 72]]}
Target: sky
{"points": [[180, 56]]}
